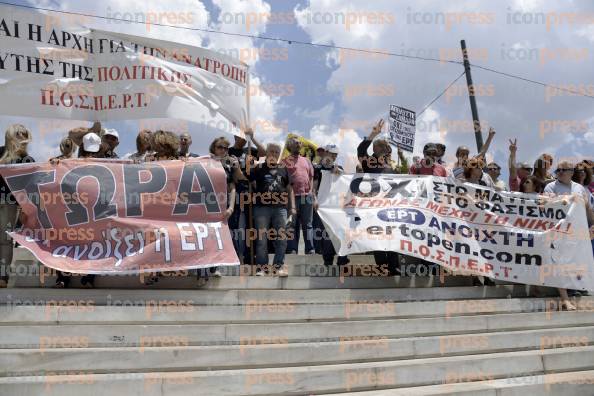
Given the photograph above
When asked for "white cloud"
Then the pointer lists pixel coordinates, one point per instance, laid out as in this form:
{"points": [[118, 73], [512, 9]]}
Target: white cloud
{"points": [[347, 141], [513, 107]]}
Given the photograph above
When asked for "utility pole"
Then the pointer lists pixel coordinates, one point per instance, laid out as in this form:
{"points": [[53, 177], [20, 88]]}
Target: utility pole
{"points": [[471, 91]]}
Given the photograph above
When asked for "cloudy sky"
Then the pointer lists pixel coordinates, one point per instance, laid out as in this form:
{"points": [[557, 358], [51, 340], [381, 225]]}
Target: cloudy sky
{"points": [[334, 96]]}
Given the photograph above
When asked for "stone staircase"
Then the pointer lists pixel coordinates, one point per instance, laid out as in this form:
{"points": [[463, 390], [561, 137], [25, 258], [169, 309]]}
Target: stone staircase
{"points": [[315, 332]]}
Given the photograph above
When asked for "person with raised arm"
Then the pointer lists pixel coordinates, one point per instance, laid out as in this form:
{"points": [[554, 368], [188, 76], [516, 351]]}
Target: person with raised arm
{"points": [[517, 172], [381, 159], [238, 222], [381, 162], [463, 153], [273, 195]]}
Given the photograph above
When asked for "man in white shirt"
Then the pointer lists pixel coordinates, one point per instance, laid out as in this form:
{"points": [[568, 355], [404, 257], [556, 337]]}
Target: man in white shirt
{"points": [[565, 186]]}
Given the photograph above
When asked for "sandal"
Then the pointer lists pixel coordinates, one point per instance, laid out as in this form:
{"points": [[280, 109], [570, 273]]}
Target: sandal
{"points": [[566, 305]]}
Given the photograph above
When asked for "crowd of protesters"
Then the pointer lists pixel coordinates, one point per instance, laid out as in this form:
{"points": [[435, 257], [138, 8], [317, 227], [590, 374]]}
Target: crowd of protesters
{"points": [[284, 190]]}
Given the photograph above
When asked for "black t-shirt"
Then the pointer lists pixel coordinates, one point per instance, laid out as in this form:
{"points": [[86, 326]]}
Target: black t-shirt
{"points": [[272, 185], [5, 195], [111, 154], [241, 155]]}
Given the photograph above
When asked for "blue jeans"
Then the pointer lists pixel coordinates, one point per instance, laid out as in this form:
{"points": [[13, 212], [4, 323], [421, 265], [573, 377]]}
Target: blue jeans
{"points": [[270, 218], [303, 221]]}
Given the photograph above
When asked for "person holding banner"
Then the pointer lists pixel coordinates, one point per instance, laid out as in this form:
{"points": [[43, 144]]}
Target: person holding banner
{"points": [[542, 169], [564, 185], [219, 150], [143, 146], [327, 163], [463, 152], [110, 140], [532, 185], [494, 171], [441, 149], [273, 193], [14, 151], [583, 175], [66, 148], [237, 222], [429, 165], [165, 145], [381, 162], [381, 159], [90, 147], [185, 141], [473, 171]]}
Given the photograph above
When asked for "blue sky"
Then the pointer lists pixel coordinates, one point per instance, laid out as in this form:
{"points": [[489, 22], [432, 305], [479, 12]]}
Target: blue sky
{"points": [[318, 93]]}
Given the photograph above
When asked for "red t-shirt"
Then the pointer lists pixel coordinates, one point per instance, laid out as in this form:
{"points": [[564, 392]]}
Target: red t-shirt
{"points": [[300, 173], [434, 170]]}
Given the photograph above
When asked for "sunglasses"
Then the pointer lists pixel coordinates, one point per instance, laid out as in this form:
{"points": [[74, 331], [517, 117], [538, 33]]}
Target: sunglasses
{"points": [[579, 171], [493, 169], [527, 169], [222, 147], [565, 170]]}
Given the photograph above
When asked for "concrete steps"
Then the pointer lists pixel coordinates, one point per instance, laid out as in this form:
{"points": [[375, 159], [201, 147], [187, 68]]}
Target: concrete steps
{"points": [[577, 383], [309, 379], [305, 272], [301, 335]]}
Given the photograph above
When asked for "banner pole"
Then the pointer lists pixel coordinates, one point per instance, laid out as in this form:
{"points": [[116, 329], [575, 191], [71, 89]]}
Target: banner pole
{"points": [[247, 168]]}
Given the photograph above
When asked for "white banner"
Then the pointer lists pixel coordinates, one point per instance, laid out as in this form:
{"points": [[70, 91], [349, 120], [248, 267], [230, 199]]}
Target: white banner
{"points": [[402, 128], [462, 227], [54, 70]]}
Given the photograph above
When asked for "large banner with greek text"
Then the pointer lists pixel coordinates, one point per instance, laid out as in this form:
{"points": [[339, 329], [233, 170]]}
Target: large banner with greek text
{"points": [[54, 68], [463, 227], [116, 217]]}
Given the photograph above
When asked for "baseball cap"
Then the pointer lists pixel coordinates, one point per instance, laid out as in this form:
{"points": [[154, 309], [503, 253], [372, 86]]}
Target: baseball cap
{"points": [[331, 148], [91, 142], [112, 132]]}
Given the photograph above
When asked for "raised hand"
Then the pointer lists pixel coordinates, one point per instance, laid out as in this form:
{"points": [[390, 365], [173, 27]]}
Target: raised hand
{"points": [[512, 145], [492, 132], [96, 128], [377, 129]]}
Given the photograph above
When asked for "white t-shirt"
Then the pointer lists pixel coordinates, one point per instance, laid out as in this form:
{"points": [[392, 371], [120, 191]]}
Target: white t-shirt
{"points": [[559, 188], [500, 185]]}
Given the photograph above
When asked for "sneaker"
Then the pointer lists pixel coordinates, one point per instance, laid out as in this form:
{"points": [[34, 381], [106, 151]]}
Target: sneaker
{"points": [[216, 274], [291, 252], [311, 252], [259, 272], [282, 272]]}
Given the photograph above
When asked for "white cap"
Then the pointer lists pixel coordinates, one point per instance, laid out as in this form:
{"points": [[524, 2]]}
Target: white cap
{"points": [[331, 148], [91, 142], [112, 132]]}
